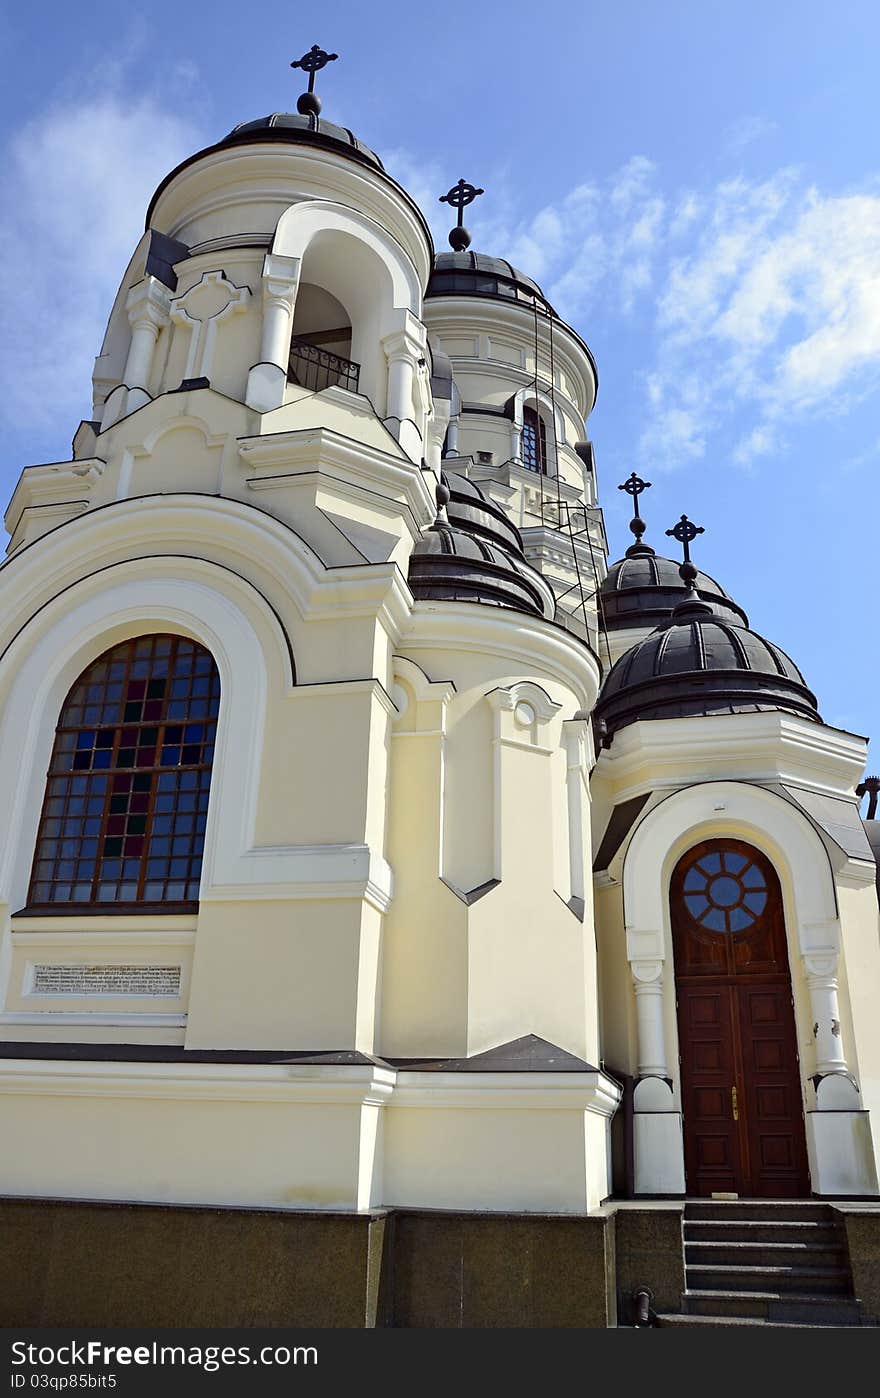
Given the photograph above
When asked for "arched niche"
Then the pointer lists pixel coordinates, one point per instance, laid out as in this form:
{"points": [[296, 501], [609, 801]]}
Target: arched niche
{"points": [[345, 256]]}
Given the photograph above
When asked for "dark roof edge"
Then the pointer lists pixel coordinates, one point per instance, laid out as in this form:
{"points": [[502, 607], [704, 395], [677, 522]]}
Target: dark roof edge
{"points": [[291, 136]]}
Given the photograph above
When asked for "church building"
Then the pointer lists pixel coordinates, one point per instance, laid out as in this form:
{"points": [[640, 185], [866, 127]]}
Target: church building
{"points": [[410, 917]]}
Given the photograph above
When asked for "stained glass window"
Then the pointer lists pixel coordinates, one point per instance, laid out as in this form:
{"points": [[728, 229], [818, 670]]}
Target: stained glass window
{"points": [[126, 801], [725, 891]]}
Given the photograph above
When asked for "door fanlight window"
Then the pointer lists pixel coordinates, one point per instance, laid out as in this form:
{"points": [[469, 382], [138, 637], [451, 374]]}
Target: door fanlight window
{"points": [[725, 891]]}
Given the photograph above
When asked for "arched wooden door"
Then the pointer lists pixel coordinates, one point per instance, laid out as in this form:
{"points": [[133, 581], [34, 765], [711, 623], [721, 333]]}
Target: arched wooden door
{"points": [[741, 1090]]}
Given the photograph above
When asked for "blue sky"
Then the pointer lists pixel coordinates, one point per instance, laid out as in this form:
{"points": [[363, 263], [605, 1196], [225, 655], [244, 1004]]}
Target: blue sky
{"points": [[695, 185]]}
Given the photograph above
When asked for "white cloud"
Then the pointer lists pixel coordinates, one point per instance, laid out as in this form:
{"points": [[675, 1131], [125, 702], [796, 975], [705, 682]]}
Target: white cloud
{"points": [[758, 301], [74, 189], [779, 303]]}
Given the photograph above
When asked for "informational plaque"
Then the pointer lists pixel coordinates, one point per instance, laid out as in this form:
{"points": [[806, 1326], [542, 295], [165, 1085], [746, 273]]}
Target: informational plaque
{"points": [[106, 980]]}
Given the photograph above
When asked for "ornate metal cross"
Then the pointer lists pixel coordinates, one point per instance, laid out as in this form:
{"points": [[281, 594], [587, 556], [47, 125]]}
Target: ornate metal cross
{"points": [[458, 197], [309, 103], [685, 532], [634, 485], [313, 61]]}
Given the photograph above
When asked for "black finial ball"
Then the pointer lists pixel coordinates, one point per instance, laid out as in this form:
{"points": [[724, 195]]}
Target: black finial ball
{"points": [[459, 239], [688, 573], [637, 526], [308, 104], [443, 494]]}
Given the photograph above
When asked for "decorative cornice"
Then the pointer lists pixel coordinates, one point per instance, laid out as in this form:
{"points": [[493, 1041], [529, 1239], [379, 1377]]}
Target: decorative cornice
{"points": [[768, 746], [148, 303], [529, 642], [288, 1083], [332, 1085], [589, 1092], [281, 873], [58, 483], [388, 481]]}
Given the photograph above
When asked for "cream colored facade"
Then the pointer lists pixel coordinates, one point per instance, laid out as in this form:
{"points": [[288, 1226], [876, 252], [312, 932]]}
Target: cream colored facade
{"points": [[405, 801]]}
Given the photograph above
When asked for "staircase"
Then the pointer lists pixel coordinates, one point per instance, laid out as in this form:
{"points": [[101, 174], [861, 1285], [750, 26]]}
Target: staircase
{"points": [[774, 1265]]}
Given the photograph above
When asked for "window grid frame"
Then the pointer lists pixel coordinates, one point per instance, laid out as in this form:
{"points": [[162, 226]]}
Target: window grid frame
{"points": [[120, 781], [533, 441]]}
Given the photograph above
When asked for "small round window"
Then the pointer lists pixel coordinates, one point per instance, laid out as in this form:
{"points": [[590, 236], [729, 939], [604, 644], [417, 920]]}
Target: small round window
{"points": [[725, 891]]}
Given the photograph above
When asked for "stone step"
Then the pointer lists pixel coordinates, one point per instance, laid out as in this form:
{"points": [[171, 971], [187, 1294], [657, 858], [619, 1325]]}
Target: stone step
{"points": [[803, 1308], [834, 1280], [733, 1252], [669, 1321], [748, 1230], [762, 1211]]}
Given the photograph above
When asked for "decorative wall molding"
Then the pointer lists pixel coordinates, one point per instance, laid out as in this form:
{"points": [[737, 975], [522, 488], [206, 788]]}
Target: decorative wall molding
{"points": [[202, 309]]}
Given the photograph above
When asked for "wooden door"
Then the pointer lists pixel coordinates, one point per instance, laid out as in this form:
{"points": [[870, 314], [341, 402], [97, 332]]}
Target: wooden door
{"points": [[741, 1090]]}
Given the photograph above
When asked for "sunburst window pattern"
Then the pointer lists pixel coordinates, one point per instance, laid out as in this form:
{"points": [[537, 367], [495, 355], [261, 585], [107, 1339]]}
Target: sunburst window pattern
{"points": [[725, 891]]}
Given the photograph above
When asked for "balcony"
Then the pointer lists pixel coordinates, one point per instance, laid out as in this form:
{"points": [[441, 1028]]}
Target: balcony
{"points": [[315, 368]]}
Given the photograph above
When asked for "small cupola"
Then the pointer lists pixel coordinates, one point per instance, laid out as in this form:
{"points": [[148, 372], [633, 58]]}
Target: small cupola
{"points": [[642, 589], [473, 553], [699, 663]]}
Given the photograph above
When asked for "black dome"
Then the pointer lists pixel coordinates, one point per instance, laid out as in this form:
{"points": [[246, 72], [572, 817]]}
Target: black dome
{"points": [[290, 126], [643, 589], [475, 274], [475, 555], [701, 664]]}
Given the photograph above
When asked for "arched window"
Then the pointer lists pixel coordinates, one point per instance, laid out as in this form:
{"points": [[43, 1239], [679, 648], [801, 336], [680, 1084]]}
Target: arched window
{"points": [[126, 800], [534, 441]]}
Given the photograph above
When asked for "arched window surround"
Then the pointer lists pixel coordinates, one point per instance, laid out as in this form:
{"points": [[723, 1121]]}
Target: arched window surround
{"points": [[367, 271], [539, 403], [194, 598]]}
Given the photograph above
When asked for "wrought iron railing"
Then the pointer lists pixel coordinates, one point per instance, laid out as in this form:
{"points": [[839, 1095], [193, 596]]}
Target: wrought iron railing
{"points": [[315, 368]]}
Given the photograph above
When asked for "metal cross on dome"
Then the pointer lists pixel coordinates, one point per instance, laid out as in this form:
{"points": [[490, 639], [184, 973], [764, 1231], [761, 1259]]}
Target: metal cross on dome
{"points": [[685, 532], [309, 103], [634, 486], [458, 197]]}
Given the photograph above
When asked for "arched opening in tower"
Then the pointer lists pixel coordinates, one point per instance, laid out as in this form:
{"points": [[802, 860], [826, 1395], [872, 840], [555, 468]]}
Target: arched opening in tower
{"points": [[320, 346]]}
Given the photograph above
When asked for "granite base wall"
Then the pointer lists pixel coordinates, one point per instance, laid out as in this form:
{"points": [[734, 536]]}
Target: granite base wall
{"points": [[88, 1264]]}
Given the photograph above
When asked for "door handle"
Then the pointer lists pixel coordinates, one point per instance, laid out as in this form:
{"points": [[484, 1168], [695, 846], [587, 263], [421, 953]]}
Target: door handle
{"points": [[734, 1103]]}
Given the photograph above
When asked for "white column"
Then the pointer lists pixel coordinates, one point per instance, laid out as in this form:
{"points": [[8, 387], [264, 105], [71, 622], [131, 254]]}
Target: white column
{"points": [[267, 378], [280, 279], [404, 347], [839, 1138], [577, 736], [648, 983], [147, 306], [401, 352], [821, 974], [658, 1146]]}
